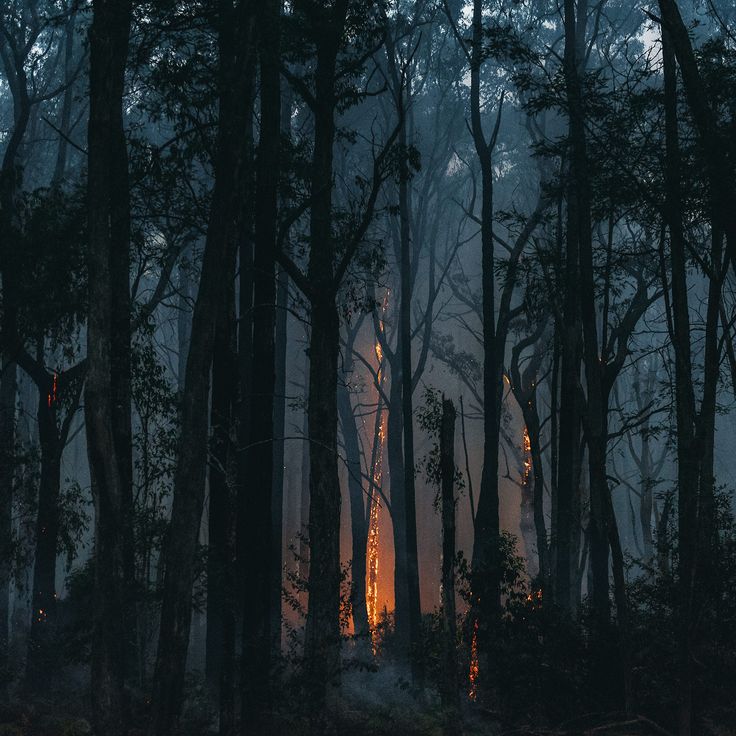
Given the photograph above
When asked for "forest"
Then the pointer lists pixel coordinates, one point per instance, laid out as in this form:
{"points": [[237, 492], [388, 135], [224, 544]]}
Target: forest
{"points": [[367, 367]]}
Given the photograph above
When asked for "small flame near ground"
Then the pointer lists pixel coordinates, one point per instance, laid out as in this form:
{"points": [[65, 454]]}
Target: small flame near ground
{"points": [[473, 671]]}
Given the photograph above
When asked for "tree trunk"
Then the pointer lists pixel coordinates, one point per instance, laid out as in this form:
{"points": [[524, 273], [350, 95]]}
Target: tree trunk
{"points": [[358, 517], [486, 563], [220, 505], [236, 33], [260, 554], [687, 459], [40, 661], [8, 394], [107, 390], [449, 685]]}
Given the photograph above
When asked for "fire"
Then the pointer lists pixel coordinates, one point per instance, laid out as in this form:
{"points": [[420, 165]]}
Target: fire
{"points": [[374, 532], [473, 673], [375, 500], [535, 598], [53, 396], [527, 458]]}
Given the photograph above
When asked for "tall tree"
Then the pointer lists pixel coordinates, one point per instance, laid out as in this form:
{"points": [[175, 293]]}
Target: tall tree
{"points": [[107, 389], [236, 38], [259, 548]]}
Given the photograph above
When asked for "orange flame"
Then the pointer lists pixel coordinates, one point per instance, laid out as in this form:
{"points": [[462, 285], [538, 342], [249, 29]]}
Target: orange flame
{"points": [[527, 458], [53, 396], [375, 500], [474, 668]]}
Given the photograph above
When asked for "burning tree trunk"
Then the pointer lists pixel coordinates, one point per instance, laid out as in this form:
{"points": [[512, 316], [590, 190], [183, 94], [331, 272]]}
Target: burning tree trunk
{"points": [[359, 518]]}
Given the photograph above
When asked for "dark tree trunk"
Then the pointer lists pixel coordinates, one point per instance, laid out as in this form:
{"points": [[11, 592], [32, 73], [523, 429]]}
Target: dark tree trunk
{"points": [[279, 447], [224, 385], [579, 229], [357, 497], [8, 394], [40, 661], [449, 685], [407, 411], [260, 554], [236, 34], [395, 457], [322, 638], [486, 563], [687, 458], [107, 391]]}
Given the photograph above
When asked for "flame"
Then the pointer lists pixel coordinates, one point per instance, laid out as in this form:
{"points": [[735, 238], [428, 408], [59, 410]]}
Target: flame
{"points": [[473, 672], [527, 457], [535, 598], [53, 395], [375, 500]]}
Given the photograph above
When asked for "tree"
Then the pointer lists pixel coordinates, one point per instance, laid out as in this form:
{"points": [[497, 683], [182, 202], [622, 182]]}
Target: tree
{"points": [[236, 34], [107, 389]]}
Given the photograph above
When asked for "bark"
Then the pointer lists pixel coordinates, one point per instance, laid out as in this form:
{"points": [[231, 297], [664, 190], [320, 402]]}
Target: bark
{"points": [[486, 562], [357, 497], [8, 394], [107, 390], [579, 238], [219, 522], [407, 411], [40, 659], [279, 447], [687, 463], [449, 685], [236, 39], [261, 552]]}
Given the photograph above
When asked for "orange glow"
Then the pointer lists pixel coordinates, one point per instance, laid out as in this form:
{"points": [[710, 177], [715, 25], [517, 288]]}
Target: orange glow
{"points": [[375, 499], [473, 673], [527, 458], [535, 598], [53, 397]]}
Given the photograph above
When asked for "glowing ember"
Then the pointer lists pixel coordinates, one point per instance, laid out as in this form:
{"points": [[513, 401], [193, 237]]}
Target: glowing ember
{"points": [[53, 397], [375, 500], [527, 457], [473, 673], [535, 598]]}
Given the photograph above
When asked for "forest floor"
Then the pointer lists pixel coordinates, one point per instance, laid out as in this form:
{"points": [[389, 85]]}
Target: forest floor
{"points": [[45, 718]]}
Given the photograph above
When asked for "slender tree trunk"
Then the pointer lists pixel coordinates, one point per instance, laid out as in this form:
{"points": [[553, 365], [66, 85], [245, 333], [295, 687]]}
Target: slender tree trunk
{"points": [[395, 457], [486, 563], [407, 411], [279, 448], [449, 685], [237, 27], [40, 661], [356, 495], [220, 504], [8, 394], [687, 460], [107, 390], [579, 229]]}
